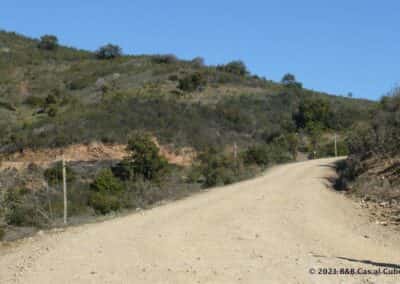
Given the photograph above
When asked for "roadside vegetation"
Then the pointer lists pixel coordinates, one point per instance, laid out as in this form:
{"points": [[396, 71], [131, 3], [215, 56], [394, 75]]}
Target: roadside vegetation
{"points": [[372, 171]]}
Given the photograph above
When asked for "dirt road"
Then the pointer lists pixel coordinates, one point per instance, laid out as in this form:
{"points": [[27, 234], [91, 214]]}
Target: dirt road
{"points": [[272, 229]]}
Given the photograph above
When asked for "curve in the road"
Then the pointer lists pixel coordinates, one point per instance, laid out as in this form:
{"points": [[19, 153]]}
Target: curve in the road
{"points": [[276, 228]]}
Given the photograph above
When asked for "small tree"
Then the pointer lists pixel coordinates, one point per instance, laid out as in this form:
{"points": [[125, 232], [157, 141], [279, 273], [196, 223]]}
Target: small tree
{"points": [[198, 61], [106, 193], [289, 80], [144, 160], [192, 82], [48, 42], [293, 144], [312, 112], [235, 67], [108, 51]]}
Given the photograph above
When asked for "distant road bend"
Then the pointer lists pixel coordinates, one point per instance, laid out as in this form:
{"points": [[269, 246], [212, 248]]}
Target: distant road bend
{"points": [[272, 229]]}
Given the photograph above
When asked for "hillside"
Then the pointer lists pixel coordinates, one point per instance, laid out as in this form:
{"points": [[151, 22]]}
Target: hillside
{"points": [[136, 130], [63, 96]]}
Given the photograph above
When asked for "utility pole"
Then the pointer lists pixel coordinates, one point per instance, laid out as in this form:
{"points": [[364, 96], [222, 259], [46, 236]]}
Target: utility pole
{"points": [[64, 174], [336, 153]]}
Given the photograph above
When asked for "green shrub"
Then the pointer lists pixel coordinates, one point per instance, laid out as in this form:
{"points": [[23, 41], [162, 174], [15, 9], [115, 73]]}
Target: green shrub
{"points": [[347, 172], [53, 175], [23, 208], [145, 159], [218, 169], [289, 80], [2, 233], [35, 101], [80, 83], [164, 59], [198, 62], [235, 67], [52, 111], [109, 51], [173, 77], [143, 193], [106, 182], [271, 133], [293, 144], [51, 99], [104, 203], [192, 82], [124, 170], [235, 116], [194, 175], [106, 193], [313, 113], [259, 155], [382, 135], [48, 42], [267, 154], [361, 140]]}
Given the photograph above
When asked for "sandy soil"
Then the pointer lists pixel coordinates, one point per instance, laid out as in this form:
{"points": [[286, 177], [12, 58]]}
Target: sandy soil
{"points": [[272, 229]]}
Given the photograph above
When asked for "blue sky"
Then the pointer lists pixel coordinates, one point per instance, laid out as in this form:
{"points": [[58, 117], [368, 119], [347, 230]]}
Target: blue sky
{"points": [[333, 46]]}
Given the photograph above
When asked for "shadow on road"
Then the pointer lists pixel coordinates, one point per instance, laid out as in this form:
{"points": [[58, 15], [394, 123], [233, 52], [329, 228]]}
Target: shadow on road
{"points": [[370, 262], [332, 166], [363, 261]]}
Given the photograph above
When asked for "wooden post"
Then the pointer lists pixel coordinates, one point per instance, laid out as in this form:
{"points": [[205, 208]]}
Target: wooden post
{"points": [[49, 202], [64, 173], [336, 153], [235, 151]]}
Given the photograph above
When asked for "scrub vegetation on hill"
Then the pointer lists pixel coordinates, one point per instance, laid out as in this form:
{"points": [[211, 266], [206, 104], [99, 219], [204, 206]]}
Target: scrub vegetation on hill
{"points": [[237, 123], [372, 171]]}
